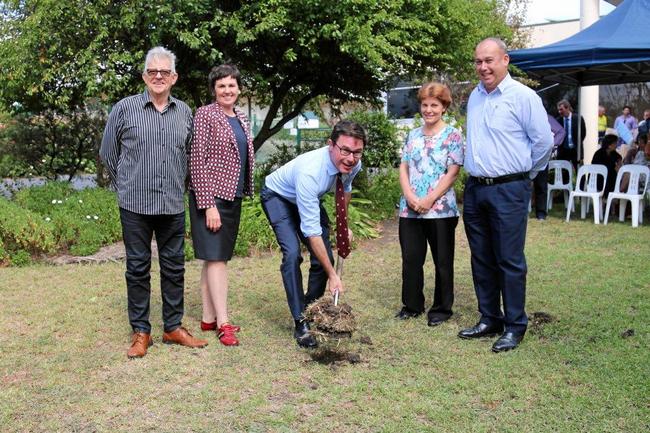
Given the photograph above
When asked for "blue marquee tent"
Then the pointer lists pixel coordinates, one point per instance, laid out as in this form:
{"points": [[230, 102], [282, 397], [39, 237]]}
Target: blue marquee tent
{"points": [[613, 50]]}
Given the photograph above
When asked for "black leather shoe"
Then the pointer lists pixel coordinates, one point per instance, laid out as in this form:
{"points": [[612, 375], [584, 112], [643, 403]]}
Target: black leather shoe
{"points": [[508, 341], [303, 336], [435, 321], [481, 330], [405, 313]]}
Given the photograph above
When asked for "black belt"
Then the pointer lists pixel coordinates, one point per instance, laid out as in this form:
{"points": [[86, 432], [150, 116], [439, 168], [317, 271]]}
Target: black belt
{"points": [[501, 179]]}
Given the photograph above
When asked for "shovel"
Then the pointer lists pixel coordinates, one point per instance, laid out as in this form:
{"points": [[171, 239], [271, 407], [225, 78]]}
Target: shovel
{"points": [[339, 272]]}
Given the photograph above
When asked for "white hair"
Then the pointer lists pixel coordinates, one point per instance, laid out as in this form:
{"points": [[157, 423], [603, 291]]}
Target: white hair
{"points": [[160, 53]]}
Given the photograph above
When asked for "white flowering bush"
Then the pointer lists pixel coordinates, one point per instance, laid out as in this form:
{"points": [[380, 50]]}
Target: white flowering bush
{"points": [[81, 221]]}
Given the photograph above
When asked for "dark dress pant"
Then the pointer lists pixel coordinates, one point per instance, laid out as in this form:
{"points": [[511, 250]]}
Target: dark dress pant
{"points": [[285, 221], [540, 184], [495, 218], [570, 155], [138, 231], [439, 234]]}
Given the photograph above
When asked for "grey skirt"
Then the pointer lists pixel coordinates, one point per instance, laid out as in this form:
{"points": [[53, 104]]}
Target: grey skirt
{"points": [[219, 245]]}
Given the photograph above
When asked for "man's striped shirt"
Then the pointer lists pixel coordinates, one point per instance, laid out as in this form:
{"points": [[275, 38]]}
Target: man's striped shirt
{"points": [[145, 153]]}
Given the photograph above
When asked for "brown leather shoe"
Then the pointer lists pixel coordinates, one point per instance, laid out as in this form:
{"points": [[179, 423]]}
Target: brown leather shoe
{"points": [[182, 337], [140, 342]]}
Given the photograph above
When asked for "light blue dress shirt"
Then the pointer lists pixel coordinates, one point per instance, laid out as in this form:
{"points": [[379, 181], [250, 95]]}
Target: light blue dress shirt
{"points": [[507, 131], [304, 180]]}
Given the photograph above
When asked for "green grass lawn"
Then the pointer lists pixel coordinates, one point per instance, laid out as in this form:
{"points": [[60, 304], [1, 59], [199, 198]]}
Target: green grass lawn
{"points": [[63, 364]]}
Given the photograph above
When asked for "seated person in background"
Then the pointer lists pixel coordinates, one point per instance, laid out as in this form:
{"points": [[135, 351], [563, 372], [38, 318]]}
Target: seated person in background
{"points": [[643, 156], [609, 157], [631, 154]]}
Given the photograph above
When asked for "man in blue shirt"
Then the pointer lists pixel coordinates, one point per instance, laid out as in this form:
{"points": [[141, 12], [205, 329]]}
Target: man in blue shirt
{"points": [[508, 141], [291, 200]]}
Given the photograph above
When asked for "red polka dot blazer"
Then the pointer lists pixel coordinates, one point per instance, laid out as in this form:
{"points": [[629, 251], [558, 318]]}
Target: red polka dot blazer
{"points": [[214, 157]]}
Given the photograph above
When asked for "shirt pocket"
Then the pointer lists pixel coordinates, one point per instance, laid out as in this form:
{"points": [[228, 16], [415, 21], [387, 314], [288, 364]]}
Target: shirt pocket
{"points": [[501, 118]]}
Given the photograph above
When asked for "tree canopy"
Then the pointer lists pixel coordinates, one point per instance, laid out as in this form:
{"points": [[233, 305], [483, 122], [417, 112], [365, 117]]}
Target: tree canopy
{"points": [[58, 53]]}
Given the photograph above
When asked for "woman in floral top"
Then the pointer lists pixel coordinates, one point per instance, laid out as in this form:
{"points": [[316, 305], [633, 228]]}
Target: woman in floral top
{"points": [[431, 160]]}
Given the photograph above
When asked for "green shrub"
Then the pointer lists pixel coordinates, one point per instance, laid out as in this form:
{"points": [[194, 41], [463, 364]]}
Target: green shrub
{"points": [[383, 192], [22, 229], [383, 145], [20, 258], [188, 250], [52, 143], [255, 233], [4, 255], [361, 224], [459, 185], [82, 221]]}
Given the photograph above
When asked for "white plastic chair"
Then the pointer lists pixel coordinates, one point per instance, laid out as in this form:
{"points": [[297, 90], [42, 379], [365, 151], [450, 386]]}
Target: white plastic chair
{"points": [[590, 173], [634, 193], [559, 166]]}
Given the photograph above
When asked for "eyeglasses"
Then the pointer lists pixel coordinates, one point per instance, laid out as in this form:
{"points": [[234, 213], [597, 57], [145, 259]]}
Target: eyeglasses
{"points": [[153, 73], [348, 152]]}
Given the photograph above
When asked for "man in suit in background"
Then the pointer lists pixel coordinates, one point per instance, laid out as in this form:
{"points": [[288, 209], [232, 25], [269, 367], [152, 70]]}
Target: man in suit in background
{"points": [[568, 150]]}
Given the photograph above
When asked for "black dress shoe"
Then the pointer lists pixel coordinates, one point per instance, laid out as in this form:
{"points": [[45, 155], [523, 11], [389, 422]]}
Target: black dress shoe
{"points": [[508, 341], [435, 321], [481, 330], [405, 313], [303, 335]]}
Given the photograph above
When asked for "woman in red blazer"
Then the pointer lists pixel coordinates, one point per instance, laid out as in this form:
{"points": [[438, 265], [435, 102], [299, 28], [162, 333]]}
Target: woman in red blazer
{"points": [[221, 173]]}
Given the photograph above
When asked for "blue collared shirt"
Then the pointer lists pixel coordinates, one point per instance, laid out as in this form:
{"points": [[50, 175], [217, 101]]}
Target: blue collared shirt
{"points": [[507, 131], [304, 180]]}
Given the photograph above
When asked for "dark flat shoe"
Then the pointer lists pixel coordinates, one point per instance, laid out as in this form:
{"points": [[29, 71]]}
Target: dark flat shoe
{"points": [[405, 314], [481, 330], [435, 321], [508, 341], [303, 335]]}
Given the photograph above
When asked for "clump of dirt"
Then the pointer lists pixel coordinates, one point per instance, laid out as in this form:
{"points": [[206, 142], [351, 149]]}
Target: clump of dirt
{"points": [[365, 340], [627, 333], [538, 319], [334, 357], [331, 321]]}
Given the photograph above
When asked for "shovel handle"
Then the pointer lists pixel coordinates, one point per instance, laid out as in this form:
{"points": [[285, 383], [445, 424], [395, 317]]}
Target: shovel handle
{"points": [[339, 272]]}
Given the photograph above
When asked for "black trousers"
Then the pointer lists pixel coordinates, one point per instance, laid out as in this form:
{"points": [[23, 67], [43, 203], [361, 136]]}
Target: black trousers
{"points": [[495, 219], [138, 231], [540, 185], [439, 233]]}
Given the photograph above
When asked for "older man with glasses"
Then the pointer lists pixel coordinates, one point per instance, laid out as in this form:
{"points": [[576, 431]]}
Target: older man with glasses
{"points": [[291, 200], [144, 149]]}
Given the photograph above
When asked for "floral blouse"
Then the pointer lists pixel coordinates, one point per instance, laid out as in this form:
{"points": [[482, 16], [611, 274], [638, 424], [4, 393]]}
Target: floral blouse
{"points": [[428, 158]]}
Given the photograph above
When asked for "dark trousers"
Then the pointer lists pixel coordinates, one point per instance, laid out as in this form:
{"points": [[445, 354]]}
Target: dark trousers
{"points": [[540, 184], [285, 221], [495, 218], [439, 233], [570, 155], [138, 231]]}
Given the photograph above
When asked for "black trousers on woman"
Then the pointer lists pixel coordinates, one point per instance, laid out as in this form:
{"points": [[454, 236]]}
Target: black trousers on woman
{"points": [[439, 234]]}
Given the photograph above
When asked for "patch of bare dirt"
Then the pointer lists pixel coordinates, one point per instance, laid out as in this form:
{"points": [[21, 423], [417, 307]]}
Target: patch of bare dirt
{"points": [[538, 319], [334, 357]]}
